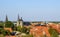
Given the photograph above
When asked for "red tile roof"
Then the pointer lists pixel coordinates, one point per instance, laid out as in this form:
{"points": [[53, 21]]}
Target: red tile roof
{"points": [[39, 31], [55, 26]]}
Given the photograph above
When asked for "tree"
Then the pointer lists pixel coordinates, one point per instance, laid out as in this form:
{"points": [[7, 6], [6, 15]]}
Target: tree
{"points": [[6, 32], [1, 27], [53, 32], [2, 24], [9, 24], [22, 30]]}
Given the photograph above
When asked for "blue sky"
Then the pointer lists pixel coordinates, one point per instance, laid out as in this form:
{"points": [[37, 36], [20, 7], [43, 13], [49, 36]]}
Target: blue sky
{"points": [[30, 10]]}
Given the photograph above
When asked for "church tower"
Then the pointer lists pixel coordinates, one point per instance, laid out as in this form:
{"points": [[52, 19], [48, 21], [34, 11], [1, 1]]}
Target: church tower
{"points": [[6, 18], [20, 22]]}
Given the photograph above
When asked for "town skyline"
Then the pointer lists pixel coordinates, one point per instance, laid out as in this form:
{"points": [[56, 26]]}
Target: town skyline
{"points": [[32, 10]]}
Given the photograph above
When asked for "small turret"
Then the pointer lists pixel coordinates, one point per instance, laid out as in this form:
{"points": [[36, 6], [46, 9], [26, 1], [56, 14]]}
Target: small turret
{"points": [[21, 19]]}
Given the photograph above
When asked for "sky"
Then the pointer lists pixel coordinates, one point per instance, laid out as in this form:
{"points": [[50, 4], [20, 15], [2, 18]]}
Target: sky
{"points": [[30, 10]]}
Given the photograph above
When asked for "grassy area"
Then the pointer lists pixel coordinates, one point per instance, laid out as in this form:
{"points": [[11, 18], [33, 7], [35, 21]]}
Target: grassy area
{"points": [[28, 35]]}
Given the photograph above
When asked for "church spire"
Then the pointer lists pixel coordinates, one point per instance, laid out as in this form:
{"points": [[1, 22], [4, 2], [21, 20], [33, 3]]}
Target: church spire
{"points": [[6, 18], [18, 17]]}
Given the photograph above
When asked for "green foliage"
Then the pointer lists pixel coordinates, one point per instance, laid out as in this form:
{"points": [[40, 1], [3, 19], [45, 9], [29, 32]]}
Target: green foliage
{"points": [[14, 28], [28, 36], [53, 32], [8, 24], [28, 30], [2, 24], [5, 32], [23, 29], [1, 30], [19, 28]]}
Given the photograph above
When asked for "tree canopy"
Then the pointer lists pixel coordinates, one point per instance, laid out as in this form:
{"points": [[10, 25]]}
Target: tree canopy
{"points": [[8, 24]]}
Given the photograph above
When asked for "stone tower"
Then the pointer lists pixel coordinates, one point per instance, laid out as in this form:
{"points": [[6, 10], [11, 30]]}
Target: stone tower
{"points": [[6, 18], [20, 22]]}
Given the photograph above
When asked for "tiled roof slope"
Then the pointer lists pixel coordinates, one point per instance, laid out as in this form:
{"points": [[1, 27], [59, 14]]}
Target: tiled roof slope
{"points": [[39, 31]]}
